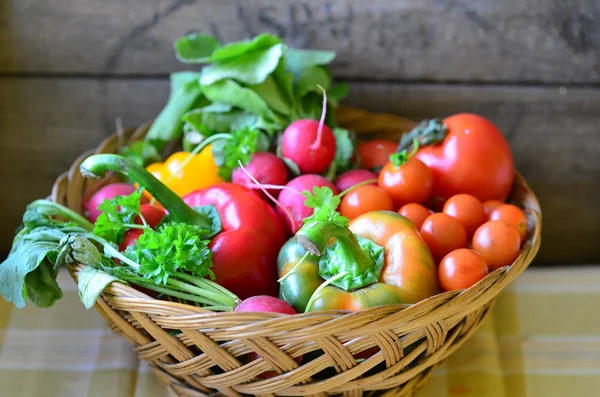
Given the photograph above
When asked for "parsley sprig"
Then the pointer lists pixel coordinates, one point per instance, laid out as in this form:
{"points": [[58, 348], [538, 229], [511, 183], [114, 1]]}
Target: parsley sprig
{"points": [[118, 215], [325, 205]]}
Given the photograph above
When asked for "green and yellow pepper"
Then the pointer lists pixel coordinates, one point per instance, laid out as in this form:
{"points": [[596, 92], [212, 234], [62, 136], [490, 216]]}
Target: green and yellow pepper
{"points": [[380, 259]]}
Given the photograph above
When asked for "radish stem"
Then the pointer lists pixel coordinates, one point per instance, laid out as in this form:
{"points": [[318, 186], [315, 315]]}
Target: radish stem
{"points": [[317, 143]]}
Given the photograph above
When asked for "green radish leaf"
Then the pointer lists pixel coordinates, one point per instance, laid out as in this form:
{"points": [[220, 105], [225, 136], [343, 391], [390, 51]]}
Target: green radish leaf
{"points": [[31, 249], [91, 283], [249, 68], [185, 94], [228, 91], [310, 78], [269, 91], [344, 150], [299, 59], [337, 93], [208, 123], [235, 50], [217, 107], [195, 48], [285, 81], [42, 288]]}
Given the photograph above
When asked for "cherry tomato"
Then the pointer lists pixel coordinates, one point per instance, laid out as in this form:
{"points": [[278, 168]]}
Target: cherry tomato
{"points": [[473, 158], [491, 205], [376, 153], [152, 214], [365, 199], [513, 215], [443, 234], [409, 183], [468, 210], [498, 242], [130, 238], [416, 213], [460, 269]]}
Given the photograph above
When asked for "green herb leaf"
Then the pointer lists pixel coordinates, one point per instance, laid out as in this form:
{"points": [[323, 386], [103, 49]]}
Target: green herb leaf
{"points": [[230, 92], [240, 146], [91, 283], [142, 153], [117, 214], [344, 150], [299, 59], [249, 68], [173, 247], [195, 48], [332, 262], [186, 93], [325, 205]]}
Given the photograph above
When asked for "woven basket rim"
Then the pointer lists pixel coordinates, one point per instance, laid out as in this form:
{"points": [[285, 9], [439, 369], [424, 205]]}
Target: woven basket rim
{"points": [[504, 275]]}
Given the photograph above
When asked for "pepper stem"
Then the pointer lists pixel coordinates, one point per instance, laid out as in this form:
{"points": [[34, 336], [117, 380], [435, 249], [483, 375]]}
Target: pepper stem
{"points": [[361, 270], [97, 165]]}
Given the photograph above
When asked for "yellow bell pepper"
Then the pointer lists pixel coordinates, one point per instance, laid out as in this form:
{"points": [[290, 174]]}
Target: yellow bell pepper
{"points": [[199, 172]]}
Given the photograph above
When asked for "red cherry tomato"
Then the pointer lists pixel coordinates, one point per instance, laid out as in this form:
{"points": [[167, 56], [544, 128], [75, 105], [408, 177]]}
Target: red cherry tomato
{"points": [[409, 183], [376, 153], [152, 214], [513, 215], [365, 199], [498, 242], [468, 210], [130, 238], [416, 213], [460, 269], [491, 205], [443, 234], [473, 158]]}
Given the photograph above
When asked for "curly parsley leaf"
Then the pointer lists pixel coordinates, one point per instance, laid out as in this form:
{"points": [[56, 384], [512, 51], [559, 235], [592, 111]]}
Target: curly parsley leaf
{"points": [[117, 216], [325, 205], [241, 145], [173, 247]]}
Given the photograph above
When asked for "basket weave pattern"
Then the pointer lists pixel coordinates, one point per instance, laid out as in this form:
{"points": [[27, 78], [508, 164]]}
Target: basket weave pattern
{"points": [[206, 355]]}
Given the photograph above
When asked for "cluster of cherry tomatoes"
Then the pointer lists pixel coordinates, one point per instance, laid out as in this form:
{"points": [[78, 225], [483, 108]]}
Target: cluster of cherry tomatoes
{"points": [[468, 235]]}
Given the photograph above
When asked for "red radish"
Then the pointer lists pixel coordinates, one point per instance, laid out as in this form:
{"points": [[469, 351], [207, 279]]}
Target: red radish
{"points": [[106, 193], [309, 143], [293, 200], [265, 303], [152, 214], [354, 177], [130, 238], [266, 168]]}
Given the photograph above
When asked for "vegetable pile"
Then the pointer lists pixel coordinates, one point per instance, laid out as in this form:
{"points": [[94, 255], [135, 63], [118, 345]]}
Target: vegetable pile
{"points": [[268, 205]]}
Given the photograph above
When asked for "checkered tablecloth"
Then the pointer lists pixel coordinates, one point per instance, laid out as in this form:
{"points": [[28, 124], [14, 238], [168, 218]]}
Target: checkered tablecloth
{"points": [[542, 340]]}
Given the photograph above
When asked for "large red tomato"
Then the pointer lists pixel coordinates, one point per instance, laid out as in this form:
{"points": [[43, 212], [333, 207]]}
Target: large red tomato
{"points": [[473, 158]]}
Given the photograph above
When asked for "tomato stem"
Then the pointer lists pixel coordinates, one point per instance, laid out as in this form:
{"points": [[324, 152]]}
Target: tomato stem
{"points": [[428, 132]]}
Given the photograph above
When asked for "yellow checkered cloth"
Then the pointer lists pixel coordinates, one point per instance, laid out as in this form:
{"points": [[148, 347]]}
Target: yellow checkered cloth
{"points": [[542, 339]]}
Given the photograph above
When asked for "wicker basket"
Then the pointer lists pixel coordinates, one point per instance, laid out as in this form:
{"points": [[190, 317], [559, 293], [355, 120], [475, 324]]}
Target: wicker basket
{"points": [[207, 357]]}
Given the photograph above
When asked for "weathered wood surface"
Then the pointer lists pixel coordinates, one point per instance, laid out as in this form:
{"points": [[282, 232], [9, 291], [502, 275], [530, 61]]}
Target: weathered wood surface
{"points": [[428, 40], [46, 123]]}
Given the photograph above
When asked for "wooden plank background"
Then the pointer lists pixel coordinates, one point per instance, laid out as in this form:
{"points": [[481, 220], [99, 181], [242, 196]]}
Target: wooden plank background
{"points": [[69, 68]]}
